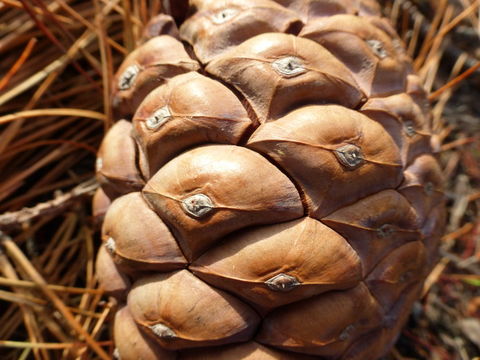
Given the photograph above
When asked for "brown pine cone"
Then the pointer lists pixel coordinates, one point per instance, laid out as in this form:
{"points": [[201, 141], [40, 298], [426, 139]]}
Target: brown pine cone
{"points": [[269, 189]]}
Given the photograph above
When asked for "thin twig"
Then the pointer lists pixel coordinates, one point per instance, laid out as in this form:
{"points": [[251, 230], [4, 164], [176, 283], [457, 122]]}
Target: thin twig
{"points": [[55, 206]]}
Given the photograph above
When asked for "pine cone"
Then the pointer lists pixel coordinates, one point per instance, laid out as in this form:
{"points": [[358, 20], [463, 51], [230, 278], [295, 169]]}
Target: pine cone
{"points": [[269, 190]]}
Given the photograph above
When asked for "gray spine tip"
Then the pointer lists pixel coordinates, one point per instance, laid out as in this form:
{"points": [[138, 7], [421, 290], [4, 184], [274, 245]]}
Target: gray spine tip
{"points": [[349, 156], [197, 205], [282, 282], [128, 77], [163, 331]]}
